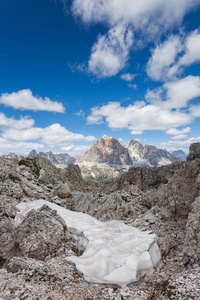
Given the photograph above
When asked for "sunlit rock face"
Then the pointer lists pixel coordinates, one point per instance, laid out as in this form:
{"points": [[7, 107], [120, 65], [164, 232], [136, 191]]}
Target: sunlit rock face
{"points": [[113, 253]]}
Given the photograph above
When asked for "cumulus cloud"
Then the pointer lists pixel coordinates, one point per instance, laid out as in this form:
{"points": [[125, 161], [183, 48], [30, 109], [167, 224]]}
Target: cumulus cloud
{"points": [[177, 132], [149, 19], [192, 46], [25, 100], [195, 111], [75, 150], [140, 14], [170, 57], [128, 76], [159, 66], [24, 122], [52, 136], [182, 144], [167, 108], [110, 52], [138, 117], [180, 92], [6, 145], [175, 94]]}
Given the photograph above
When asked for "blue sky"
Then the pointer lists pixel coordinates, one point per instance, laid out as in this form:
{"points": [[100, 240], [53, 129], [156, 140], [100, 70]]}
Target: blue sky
{"points": [[72, 71]]}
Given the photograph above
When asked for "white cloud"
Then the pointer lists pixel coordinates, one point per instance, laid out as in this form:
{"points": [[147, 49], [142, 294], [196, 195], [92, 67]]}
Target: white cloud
{"points": [[140, 14], [148, 18], [177, 132], [24, 100], [75, 150], [110, 52], [175, 94], [53, 136], [24, 122], [170, 57], [192, 49], [167, 108], [132, 86], [180, 92], [80, 113], [6, 145], [159, 66], [182, 144], [128, 76], [195, 111], [121, 140], [138, 117]]}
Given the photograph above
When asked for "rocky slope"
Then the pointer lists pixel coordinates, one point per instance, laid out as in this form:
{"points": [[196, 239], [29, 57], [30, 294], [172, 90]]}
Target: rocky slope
{"points": [[164, 200]]}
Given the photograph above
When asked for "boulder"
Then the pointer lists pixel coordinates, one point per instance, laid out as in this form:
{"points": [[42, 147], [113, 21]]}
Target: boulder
{"points": [[7, 241], [192, 240], [194, 151], [40, 234], [65, 191]]}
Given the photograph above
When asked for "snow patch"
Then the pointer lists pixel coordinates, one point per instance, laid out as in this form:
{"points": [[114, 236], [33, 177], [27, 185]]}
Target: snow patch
{"points": [[114, 253]]}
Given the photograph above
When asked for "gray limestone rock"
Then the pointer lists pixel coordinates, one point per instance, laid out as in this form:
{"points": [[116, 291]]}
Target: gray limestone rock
{"points": [[65, 191], [192, 240], [41, 234], [194, 151], [7, 241]]}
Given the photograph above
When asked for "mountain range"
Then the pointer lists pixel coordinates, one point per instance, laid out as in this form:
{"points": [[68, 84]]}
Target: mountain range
{"points": [[109, 158]]}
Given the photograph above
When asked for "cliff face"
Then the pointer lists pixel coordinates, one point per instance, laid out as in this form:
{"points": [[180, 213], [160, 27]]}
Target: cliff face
{"points": [[109, 151], [108, 158], [149, 154]]}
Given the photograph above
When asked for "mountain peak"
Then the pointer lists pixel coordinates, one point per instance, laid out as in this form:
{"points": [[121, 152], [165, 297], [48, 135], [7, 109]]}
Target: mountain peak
{"points": [[106, 137], [107, 150]]}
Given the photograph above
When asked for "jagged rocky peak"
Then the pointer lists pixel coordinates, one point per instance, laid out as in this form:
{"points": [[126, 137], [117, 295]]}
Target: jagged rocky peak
{"points": [[135, 149], [149, 154], [10, 155], [61, 159], [107, 150], [33, 153], [180, 153]]}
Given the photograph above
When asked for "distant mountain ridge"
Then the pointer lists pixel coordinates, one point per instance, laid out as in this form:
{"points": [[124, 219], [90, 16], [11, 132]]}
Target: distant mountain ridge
{"points": [[180, 153], [61, 160], [150, 154], [107, 155], [108, 158]]}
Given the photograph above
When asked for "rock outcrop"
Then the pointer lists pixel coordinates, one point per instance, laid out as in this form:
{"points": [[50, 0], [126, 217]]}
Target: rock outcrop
{"points": [[44, 237], [163, 200]]}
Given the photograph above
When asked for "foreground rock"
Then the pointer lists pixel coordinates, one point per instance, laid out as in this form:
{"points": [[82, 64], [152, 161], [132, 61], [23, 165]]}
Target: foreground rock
{"points": [[163, 200], [113, 253]]}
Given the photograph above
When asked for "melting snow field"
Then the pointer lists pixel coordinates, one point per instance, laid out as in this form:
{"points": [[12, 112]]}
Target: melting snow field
{"points": [[114, 253]]}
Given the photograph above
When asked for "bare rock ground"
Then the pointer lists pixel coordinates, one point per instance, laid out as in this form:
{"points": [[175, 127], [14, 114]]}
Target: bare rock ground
{"points": [[33, 256]]}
